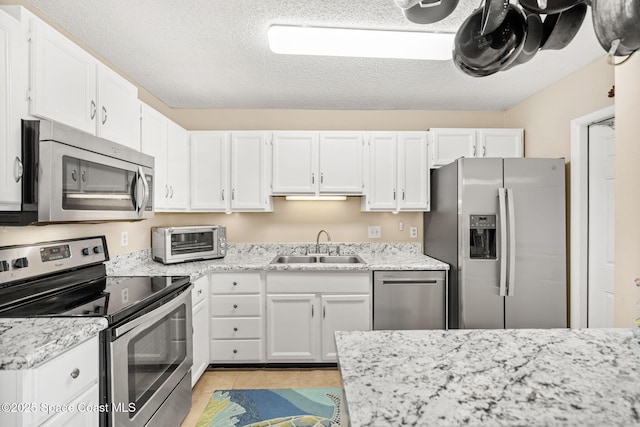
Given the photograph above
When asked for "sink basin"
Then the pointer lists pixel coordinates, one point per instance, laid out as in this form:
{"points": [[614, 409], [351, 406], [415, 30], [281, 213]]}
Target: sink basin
{"points": [[312, 259], [341, 259], [294, 259]]}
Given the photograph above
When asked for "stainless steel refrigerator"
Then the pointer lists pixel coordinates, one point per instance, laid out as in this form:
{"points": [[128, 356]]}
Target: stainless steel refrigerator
{"points": [[500, 224]]}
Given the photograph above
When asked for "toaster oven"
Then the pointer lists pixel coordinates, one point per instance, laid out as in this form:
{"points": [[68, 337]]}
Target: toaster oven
{"points": [[170, 245]]}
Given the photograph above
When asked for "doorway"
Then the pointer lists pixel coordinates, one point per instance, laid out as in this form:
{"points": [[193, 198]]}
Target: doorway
{"points": [[592, 220]]}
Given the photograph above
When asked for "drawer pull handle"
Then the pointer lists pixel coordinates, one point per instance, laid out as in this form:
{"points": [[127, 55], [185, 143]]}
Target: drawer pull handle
{"points": [[235, 305], [75, 373], [235, 351], [235, 329], [235, 283]]}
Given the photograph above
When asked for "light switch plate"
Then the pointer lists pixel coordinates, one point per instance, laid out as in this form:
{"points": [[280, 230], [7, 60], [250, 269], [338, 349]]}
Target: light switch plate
{"points": [[375, 232]]}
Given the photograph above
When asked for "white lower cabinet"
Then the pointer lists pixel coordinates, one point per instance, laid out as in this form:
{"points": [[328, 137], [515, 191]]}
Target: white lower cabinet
{"points": [[200, 314], [304, 309], [237, 326], [61, 392]]}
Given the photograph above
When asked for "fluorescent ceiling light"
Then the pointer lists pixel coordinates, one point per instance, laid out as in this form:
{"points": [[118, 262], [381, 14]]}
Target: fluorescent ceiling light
{"points": [[360, 43], [315, 198]]}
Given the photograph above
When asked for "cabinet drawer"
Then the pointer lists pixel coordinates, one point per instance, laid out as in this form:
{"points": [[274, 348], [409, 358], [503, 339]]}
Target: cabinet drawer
{"points": [[236, 327], [55, 382], [235, 283], [236, 305], [200, 290], [236, 350]]}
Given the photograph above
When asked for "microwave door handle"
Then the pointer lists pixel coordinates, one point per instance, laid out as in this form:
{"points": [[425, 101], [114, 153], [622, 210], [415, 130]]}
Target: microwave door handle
{"points": [[140, 178]]}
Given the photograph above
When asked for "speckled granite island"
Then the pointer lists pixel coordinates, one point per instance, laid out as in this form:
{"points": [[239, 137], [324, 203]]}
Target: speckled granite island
{"points": [[529, 377]]}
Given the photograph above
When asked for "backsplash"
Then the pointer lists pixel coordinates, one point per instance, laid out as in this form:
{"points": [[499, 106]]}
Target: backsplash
{"points": [[130, 260]]}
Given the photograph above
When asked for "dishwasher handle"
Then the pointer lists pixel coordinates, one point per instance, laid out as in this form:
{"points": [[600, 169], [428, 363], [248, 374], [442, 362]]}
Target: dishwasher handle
{"points": [[416, 282]]}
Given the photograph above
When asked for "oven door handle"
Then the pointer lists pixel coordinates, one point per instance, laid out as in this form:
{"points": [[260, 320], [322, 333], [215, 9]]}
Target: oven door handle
{"points": [[156, 314]]}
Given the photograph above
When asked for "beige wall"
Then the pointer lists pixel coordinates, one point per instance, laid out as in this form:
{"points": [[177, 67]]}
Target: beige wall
{"points": [[627, 188]]}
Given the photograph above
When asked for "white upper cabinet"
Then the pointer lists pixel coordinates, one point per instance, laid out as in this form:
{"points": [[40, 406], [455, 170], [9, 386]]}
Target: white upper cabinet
{"points": [[314, 163], [13, 71], [397, 171], [230, 171], [210, 187], [70, 86], [178, 167], [119, 117], [250, 171], [340, 162], [500, 142], [295, 162], [168, 143], [449, 144]]}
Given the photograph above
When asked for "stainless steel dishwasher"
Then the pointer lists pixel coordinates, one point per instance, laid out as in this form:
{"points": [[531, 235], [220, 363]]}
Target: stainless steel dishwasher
{"points": [[409, 300]]}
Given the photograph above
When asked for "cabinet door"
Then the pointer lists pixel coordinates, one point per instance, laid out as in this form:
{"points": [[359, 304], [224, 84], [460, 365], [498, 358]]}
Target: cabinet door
{"points": [[413, 171], [500, 143], [63, 79], [178, 166], [200, 340], [10, 89], [340, 162], [381, 189], [291, 327], [451, 144], [295, 162], [343, 313], [248, 171], [154, 140], [210, 186], [119, 117]]}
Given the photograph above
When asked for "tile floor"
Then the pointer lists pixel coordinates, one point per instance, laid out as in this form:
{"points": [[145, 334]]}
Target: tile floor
{"points": [[227, 379]]}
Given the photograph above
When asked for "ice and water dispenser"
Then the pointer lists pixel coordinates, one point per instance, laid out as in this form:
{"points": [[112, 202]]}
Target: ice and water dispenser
{"points": [[482, 231]]}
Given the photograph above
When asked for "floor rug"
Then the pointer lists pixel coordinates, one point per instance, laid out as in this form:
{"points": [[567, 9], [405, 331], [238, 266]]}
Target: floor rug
{"points": [[291, 407]]}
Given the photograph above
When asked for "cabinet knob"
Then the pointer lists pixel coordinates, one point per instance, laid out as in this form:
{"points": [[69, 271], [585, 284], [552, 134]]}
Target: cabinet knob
{"points": [[75, 373], [199, 291], [235, 305], [235, 351], [235, 329], [235, 283]]}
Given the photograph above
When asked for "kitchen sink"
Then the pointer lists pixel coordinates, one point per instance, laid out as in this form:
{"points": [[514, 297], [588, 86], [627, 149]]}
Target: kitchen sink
{"points": [[312, 259]]}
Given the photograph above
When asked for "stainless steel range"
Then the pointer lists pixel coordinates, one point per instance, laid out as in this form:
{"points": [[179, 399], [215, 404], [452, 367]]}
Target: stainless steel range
{"points": [[146, 351]]}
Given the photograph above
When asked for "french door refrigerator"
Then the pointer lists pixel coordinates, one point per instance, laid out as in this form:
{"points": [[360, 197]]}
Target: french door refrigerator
{"points": [[500, 225]]}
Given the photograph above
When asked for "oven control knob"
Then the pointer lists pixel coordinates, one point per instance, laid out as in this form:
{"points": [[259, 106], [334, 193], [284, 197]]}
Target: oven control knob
{"points": [[97, 249], [20, 262], [4, 266], [85, 251]]}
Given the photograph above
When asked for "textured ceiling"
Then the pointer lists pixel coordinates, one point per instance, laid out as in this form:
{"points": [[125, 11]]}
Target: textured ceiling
{"points": [[214, 54]]}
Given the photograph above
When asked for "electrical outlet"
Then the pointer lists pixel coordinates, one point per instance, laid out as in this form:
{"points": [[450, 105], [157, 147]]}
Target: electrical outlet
{"points": [[413, 232], [124, 238], [375, 232]]}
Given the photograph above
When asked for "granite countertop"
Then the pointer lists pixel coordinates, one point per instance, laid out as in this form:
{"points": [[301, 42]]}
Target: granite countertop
{"points": [[27, 342], [526, 377], [377, 256]]}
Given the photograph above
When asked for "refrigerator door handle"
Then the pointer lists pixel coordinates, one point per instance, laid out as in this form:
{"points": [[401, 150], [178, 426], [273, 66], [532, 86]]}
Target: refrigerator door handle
{"points": [[502, 201], [511, 283]]}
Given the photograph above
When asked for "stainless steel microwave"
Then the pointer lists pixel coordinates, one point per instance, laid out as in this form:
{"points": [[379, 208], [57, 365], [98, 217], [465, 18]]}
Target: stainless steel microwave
{"points": [[170, 245], [80, 177]]}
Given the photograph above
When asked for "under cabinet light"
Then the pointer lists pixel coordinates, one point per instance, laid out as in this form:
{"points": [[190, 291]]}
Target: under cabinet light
{"points": [[360, 43], [315, 198]]}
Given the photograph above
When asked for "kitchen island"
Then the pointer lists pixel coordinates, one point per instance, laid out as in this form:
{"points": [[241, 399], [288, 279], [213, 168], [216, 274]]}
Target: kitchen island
{"points": [[526, 377]]}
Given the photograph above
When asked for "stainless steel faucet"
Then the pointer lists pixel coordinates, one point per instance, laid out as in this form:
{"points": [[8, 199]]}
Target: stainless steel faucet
{"points": [[318, 239]]}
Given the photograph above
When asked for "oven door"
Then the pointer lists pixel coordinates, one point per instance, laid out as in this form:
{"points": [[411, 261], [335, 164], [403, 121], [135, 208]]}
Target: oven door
{"points": [[150, 357], [81, 185]]}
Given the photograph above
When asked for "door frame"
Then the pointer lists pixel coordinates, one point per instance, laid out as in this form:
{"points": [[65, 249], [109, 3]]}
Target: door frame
{"points": [[579, 230]]}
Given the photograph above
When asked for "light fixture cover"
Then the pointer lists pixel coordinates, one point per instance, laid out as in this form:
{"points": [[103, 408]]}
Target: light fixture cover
{"points": [[316, 198], [362, 43]]}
